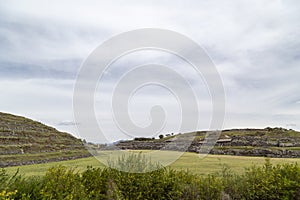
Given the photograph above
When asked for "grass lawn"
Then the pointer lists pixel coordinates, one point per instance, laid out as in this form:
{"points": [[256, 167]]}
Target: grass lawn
{"points": [[188, 161]]}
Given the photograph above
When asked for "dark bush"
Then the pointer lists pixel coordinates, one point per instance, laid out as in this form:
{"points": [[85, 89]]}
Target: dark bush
{"points": [[142, 139]]}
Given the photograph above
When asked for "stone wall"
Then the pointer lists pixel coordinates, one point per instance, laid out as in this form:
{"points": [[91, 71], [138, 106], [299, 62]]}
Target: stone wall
{"points": [[237, 145]]}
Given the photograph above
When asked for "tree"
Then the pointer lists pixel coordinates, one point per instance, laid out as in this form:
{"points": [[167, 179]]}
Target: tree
{"points": [[161, 136]]}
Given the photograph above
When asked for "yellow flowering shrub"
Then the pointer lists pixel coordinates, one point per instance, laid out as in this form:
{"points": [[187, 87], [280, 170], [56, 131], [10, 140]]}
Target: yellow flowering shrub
{"points": [[5, 195]]}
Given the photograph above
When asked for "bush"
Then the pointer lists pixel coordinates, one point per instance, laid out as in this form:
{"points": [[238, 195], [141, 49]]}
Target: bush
{"points": [[62, 183], [272, 182], [267, 182], [142, 139]]}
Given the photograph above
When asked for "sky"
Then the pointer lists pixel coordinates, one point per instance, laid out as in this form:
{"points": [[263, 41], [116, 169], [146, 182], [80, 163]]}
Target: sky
{"points": [[255, 46]]}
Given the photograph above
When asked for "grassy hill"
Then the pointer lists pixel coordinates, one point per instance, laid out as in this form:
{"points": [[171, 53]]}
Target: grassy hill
{"points": [[271, 142], [24, 141]]}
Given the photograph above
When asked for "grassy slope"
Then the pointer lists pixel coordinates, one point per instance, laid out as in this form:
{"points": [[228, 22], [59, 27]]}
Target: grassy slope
{"points": [[24, 140], [41, 142], [274, 142], [270, 133], [189, 161]]}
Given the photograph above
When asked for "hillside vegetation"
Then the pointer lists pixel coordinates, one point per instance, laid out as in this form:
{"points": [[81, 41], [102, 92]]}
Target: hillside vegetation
{"points": [[270, 142], [24, 141]]}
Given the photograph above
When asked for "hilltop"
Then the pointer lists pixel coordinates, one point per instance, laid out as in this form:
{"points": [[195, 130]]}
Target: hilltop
{"points": [[25, 141], [270, 142]]}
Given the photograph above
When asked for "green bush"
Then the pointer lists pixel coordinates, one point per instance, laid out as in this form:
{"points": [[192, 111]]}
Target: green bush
{"points": [[62, 183], [272, 182], [267, 182]]}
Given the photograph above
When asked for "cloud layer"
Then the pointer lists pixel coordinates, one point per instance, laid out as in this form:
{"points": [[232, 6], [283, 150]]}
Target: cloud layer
{"points": [[255, 46]]}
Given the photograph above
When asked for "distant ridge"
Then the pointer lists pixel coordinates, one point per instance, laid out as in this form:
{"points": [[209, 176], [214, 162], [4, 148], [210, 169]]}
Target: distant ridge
{"points": [[25, 141], [269, 142]]}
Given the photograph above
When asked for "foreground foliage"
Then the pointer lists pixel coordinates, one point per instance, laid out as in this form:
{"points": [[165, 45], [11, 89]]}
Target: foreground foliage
{"points": [[267, 182]]}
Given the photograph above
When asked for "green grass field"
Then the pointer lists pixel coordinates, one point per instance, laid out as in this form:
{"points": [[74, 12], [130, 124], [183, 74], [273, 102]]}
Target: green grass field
{"points": [[188, 161]]}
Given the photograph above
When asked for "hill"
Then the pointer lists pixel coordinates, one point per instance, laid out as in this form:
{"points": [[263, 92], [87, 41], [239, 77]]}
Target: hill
{"points": [[24, 141], [270, 142]]}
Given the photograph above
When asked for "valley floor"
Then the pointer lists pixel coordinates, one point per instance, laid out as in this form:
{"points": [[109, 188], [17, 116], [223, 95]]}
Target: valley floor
{"points": [[188, 161]]}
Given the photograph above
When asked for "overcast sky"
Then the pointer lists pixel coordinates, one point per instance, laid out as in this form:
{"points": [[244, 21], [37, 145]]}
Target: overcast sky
{"points": [[255, 46]]}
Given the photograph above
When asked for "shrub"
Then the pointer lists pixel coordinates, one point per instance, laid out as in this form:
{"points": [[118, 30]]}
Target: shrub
{"points": [[62, 183], [267, 182], [95, 181], [142, 139], [273, 182]]}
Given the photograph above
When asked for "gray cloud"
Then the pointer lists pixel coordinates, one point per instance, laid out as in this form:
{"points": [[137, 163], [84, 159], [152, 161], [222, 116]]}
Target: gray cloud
{"points": [[57, 69], [255, 46], [67, 123]]}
